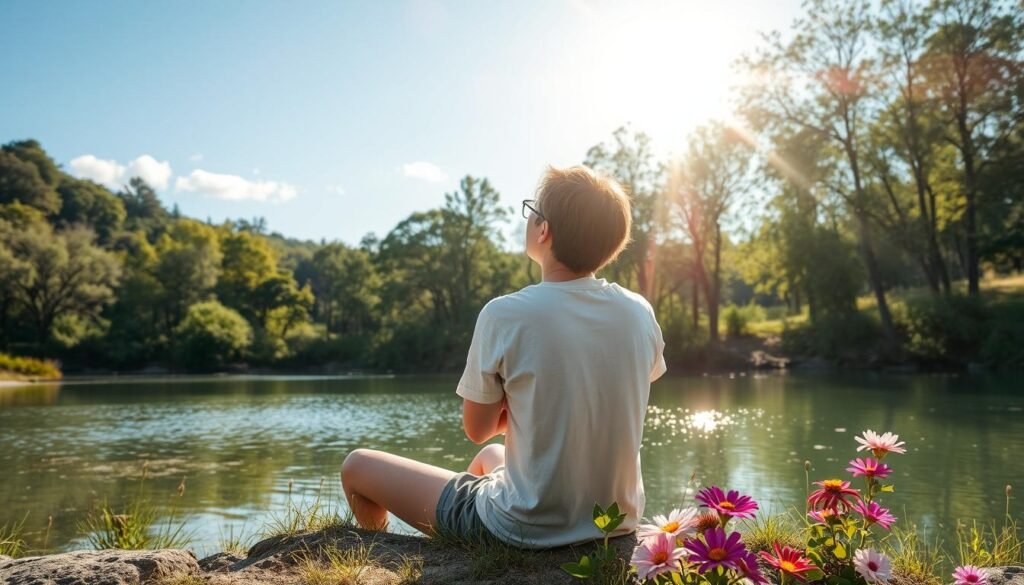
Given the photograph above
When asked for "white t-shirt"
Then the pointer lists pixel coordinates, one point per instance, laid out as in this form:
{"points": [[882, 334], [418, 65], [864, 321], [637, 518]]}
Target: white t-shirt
{"points": [[577, 359]]}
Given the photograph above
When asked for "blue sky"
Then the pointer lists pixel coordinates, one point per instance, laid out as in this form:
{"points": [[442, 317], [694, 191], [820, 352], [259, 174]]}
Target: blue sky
{"points": [[335, 119]]}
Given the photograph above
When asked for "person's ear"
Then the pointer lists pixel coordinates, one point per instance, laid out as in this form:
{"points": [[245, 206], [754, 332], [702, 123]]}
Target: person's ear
{"points": [[545, 233]]}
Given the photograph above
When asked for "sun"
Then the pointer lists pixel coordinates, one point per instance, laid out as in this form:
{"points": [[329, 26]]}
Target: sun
{"points": [[664, 67]]}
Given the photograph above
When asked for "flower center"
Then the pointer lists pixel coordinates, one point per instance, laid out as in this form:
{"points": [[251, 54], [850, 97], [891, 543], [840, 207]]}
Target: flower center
{"points": [[873, 565], [972, 579], [787, 566], [727, 505], [659, 557], [670, 527], [717, 554], [833, 485]]}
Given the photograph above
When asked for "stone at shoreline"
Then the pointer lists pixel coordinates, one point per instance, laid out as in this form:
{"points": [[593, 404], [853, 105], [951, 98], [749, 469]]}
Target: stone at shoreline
{"points": [[278, 560], [1006, 576], [102, 567]]}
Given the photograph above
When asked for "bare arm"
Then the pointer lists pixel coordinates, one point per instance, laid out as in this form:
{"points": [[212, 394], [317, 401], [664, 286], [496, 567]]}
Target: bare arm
{"points": [[484, 421]]}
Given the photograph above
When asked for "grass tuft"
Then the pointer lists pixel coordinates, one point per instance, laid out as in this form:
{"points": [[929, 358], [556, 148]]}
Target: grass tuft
{"points": [[330, 565], [135, 526], [762, 532], [299, 517], [11, 542]]}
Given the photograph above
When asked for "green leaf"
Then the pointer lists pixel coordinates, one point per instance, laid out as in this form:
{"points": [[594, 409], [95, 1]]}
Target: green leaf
{"points": [[598, 511], [677, 579], [613, 510], [615, 522], [814, 575], [580, 570], [888, 488], [839, 551]]}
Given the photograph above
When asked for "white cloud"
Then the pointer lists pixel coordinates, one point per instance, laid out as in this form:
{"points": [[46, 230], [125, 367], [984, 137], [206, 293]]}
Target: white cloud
{"points": [[424, 171], [235, 188], [147, 168], [113, 174], [105, 172]]}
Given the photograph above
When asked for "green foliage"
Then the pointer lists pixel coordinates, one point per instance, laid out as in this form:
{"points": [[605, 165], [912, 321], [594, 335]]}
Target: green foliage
{"points": [[136, 525], [851, 338], [87, 203], [11, 542], [211, 336], [946, 329], [603, 565], [738, 318], [21, 182], [28, 367]]}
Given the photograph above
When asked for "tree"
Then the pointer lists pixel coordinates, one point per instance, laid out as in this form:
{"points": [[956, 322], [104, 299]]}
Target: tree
{"points": [[211, 336], [21, 182], [706, 185], [631, 161], [56, 274], [187, 268], [346, 285], [143, 208], [84, 202], [823, 81], [975, 72]]}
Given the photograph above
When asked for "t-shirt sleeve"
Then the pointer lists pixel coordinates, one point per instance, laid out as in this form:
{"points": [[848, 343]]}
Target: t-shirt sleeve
{"points": [[659, 367], [481, 381]]}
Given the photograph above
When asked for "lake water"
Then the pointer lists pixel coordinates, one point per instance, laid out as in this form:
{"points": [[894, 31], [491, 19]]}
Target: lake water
{"points": [[241, 442]]}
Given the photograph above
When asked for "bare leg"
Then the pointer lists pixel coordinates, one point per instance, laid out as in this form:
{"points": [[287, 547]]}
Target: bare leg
{"points": [[487, 459], [376, 482]]}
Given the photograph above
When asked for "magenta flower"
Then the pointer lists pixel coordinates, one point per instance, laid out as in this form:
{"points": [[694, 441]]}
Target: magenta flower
{"points": [[880, 444], [747, 565], [731, 505], [716, 550], [970, 575], [869, 467], [656, 555], [874, 514], [834, 494]]}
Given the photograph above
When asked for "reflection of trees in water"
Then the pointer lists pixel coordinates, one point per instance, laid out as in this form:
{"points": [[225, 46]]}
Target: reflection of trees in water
{"points": [[29, 394], [241, 441]]}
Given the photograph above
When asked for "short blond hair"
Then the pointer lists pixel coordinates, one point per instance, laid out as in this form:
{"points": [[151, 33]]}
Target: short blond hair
{"points": [[588, 214]]}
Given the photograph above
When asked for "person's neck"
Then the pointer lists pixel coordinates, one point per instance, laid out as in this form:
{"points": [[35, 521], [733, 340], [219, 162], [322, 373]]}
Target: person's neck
{"points": [[559, 273]]}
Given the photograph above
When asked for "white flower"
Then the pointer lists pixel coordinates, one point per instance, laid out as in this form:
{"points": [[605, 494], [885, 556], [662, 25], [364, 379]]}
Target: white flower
{"points": [[679, 524], [872, 565], [880, 444]]}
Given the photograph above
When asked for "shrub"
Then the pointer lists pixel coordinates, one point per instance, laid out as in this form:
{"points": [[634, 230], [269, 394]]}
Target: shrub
{"points": [[833, 336], [737, 318], [946, 329], [211, 336], [24, 367]]}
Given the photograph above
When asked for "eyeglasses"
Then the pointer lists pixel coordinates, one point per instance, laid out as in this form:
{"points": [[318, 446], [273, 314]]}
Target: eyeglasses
{"points": [[530, 205]]}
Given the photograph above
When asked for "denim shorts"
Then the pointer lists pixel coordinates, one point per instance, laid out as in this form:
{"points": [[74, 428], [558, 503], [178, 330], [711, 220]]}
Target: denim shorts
{"points": [[456, 508]]}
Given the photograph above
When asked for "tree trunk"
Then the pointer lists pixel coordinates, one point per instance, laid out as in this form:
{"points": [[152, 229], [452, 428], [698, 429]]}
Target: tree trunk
{"points": [[715, 288], [696, 302]]}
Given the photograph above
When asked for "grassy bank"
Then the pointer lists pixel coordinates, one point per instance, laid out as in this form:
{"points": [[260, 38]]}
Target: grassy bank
{"points": [[952, 331], [27, 369]]}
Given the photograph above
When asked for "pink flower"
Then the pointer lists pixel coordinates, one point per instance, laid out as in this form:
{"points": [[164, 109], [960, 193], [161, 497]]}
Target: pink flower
{"points": [[656, 555], [789, 561], [881, 444], [823, 516], [834, 493], [869, 467], [716, 550], [731, 505], [874, 514], [970, 575], [872, 565], [679, 523]]}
